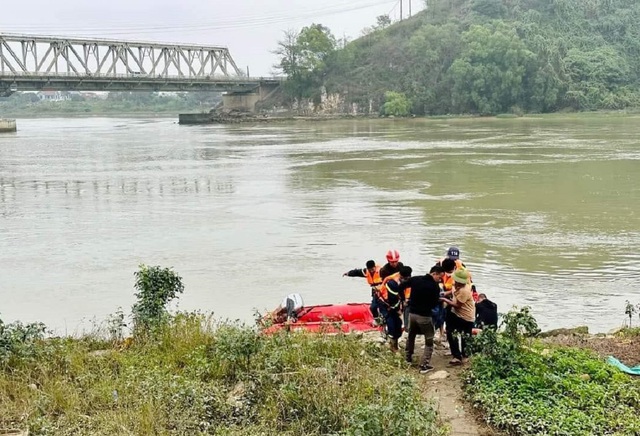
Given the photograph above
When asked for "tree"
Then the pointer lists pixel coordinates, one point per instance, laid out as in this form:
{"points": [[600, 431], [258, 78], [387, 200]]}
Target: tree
{"points": [[489, 73], [383, 21], [303, 58], [396, 104]]}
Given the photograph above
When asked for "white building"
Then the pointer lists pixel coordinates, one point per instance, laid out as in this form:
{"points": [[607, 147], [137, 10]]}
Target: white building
{"points": [[53, 96]]}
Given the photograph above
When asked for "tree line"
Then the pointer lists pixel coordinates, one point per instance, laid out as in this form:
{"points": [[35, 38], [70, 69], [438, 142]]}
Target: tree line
{"points": [[476, 56]]}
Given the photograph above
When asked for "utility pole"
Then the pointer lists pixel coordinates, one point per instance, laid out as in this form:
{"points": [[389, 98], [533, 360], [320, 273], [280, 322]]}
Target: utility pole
{"points": [[409, 8], [400, 10]]}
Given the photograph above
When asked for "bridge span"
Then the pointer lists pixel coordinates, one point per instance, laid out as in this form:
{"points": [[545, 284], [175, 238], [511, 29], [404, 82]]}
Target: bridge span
{"points": [[34, 63]]}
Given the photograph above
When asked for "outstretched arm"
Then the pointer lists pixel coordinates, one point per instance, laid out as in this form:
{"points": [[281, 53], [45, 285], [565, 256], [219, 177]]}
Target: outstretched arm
{"points": [[358, 272]]}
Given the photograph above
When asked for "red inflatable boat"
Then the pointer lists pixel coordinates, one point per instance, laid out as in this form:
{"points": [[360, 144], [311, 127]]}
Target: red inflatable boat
{"points": [[330, 318]]}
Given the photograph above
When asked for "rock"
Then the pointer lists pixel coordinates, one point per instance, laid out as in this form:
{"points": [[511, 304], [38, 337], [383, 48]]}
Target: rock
{"points": [[585, 377], [438, 375], [236, 395], [33, 387], [615, 331], [582, 330]]}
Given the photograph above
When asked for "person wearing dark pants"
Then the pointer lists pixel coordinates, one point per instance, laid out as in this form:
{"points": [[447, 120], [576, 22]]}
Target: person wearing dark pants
{"points": [[425, 296], [392, 298], [458, 330], [461, 318], [422, 325]]}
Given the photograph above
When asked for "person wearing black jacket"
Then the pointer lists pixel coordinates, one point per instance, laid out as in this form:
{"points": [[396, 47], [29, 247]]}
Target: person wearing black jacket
{"points": [[425, 296], [393, 264], [486, 312]]}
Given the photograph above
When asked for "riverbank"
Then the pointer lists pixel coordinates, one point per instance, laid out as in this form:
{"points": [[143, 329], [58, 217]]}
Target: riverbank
{"points": [[198, 376], [200, 118]]}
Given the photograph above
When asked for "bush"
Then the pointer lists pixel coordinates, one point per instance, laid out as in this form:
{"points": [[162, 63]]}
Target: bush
{"points": [[527, 390], [396, 104], [18, 341], [156, 288]]}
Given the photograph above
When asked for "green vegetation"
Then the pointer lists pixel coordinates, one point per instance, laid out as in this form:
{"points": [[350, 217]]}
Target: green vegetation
{"points": [[396, 104], [630, 310], [191, 375], [488, 57], [28, 104], [156, 288], [526, 389]]}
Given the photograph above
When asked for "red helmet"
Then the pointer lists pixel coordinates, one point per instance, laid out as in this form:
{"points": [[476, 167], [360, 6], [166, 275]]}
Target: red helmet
{"points": [[393, 256]]}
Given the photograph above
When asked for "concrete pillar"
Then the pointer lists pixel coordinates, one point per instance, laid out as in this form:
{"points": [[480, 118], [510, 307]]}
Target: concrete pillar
{"points": [[241, 101], [246, 101], [8, 126]]}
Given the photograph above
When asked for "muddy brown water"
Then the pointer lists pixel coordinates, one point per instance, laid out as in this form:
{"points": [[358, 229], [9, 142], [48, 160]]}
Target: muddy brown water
{"points": [[544, 210]]}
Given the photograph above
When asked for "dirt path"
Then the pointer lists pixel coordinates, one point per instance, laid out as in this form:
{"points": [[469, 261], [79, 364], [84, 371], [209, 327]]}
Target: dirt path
{"points": [[444, 386]]}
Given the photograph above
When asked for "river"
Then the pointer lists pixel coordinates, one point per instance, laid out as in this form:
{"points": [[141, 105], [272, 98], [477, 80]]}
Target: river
{"points": [[546, 212]]}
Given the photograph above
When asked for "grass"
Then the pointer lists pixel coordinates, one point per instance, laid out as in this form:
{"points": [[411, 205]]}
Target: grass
{"points": [[525, 389], [195, 376], [629, 332]]}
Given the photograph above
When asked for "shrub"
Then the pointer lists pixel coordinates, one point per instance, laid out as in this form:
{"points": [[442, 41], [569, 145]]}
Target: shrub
{"points": [[396, 104], [19, 341], [156, 287], [527, 390]]}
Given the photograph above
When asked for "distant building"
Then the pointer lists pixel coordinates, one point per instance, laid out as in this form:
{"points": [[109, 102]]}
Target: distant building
{"points": [[94, 95], [53, 96]]}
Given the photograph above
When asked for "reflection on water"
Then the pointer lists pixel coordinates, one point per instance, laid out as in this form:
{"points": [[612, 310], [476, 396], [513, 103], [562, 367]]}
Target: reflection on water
{"points": [[544, 210]]}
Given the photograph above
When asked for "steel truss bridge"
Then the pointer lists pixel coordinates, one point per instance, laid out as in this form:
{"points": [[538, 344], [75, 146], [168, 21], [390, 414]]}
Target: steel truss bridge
{"points": [[34, 63]]}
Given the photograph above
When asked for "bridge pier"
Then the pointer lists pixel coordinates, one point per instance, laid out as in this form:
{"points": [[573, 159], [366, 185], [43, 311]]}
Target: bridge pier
{"points": [[8, 126], [246, 101]]}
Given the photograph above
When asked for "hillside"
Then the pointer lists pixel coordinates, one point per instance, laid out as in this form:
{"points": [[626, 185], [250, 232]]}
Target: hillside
{"points": [[497, 56]]}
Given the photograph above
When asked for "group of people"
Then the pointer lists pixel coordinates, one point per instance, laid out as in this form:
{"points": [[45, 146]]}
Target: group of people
{"points": [[444, 299]]}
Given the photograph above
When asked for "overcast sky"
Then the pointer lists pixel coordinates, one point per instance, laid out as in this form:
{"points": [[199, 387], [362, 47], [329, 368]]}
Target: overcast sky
{"points": [[250, 28]]}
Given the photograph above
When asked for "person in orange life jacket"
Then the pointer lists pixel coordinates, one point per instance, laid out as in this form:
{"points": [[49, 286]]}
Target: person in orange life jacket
{"points": [[453, 253], [425, 297], [392, 299], [462, 316], [372, 274], [448, 266], [400, 277], [393, 264]]}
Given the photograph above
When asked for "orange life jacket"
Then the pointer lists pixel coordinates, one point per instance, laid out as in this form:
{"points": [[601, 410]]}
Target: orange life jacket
{"points": [[459, 265], [373, 279], [447, 282], [384, 296], [396, 277]]}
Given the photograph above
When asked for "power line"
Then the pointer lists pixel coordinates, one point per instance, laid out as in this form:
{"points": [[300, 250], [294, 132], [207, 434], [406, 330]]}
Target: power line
{"points": [[227, 23]]}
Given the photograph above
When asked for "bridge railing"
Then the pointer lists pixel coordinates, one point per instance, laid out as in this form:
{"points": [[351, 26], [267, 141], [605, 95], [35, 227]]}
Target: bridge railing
{"points": [[56, 56], [133, 76]]}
